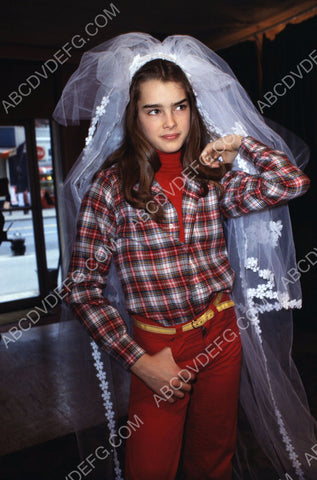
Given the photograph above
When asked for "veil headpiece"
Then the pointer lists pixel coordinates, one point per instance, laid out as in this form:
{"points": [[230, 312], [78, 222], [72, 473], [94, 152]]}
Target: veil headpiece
{"points": [[260, 245]]}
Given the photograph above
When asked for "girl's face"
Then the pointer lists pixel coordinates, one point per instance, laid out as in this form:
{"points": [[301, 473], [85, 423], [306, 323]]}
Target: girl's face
{"points": [[164, 114]]}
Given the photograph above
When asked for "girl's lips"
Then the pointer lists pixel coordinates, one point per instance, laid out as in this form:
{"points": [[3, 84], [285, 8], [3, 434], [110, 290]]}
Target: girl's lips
{"points": [[171, 137]]}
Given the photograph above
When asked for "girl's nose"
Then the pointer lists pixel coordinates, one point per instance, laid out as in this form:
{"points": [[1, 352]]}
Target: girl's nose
{"points": [[169, 120]]}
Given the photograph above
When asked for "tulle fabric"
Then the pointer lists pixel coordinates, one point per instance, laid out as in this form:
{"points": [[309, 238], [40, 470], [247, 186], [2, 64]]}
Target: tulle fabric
{"points": [[274, 412]]}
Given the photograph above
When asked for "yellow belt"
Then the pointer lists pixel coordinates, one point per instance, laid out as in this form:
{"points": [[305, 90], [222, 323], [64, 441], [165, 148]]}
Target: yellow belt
{"points": [[198, 322]]}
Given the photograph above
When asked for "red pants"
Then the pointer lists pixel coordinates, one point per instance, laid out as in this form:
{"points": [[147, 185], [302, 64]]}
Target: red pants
{"points": [[204, 422]]}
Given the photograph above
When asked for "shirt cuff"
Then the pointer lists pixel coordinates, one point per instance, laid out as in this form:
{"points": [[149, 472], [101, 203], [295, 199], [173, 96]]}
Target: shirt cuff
{"points": [[126, 351], [248, 148]]}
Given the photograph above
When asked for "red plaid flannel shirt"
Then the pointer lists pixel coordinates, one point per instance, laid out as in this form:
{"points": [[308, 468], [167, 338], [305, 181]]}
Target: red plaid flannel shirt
{"points": [[164, 279]]}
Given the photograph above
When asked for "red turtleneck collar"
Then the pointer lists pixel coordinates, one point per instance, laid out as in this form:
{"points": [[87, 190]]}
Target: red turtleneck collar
{"points": [[170, 163], [171, 167]]}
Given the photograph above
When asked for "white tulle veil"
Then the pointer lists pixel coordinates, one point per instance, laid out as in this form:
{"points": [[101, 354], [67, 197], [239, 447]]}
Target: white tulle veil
{"points": [[274, 411]]}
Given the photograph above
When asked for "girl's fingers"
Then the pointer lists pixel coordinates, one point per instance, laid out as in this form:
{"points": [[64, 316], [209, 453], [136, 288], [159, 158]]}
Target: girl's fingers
{"points": [[215, 149], [211, 160]]}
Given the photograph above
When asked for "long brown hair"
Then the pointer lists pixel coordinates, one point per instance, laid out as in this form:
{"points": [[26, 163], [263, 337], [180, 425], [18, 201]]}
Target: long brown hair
{"points": [[137, 159]]}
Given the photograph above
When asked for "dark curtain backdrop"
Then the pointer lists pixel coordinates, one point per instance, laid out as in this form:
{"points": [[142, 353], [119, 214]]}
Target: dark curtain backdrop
{"points": [[296, 110]]}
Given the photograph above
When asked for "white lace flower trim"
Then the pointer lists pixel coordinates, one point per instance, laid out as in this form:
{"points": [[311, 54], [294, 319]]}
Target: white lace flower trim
{"points": [[107, 403], [265, 233], [285, 436], [251, 263], [264, 292], [276, 231], [100, 110], [140, 60], [284, 300], [287, 441]]}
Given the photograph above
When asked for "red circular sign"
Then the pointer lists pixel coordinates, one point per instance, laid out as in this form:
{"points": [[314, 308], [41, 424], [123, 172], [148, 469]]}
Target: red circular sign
{"points": [[40, 153]]}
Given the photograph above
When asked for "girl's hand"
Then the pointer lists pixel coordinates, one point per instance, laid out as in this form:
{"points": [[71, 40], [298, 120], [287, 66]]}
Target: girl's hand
{"points": [[225, 147], [160, 373]]}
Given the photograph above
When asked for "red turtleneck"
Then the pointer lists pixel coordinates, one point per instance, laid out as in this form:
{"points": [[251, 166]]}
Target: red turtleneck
{"points": [[171, 168]]}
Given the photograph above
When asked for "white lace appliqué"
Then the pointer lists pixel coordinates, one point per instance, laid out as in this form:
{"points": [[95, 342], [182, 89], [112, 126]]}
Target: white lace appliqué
{"points": [[264, 292], [266, 233], [276, 231], [107, 403], [140, 60], [100, 110]]}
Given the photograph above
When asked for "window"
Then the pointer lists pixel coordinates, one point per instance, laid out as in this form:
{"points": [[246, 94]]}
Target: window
{"points": [[29, 245]]}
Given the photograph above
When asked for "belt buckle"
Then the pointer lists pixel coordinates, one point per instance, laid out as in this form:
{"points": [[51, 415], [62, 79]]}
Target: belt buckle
{"points": [[198, 322]]}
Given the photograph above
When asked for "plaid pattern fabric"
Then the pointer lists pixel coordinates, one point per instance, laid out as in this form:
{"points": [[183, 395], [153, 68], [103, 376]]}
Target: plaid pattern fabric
{"points": [[164, 279]]}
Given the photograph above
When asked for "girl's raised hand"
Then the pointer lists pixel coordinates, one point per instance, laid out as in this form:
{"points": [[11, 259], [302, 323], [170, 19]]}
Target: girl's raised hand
{"points": [[224, 149]]}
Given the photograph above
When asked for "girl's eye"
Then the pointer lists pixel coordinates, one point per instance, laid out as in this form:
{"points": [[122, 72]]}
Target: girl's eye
{"points": [[183, 106], [155, 111]]}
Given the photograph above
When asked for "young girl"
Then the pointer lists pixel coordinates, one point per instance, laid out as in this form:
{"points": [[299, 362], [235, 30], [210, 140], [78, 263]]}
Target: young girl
{"points": [[156, 209]]}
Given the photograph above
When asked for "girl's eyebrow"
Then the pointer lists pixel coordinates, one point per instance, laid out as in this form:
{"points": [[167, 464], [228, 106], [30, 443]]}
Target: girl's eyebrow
{"points": [[159, 105]]}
